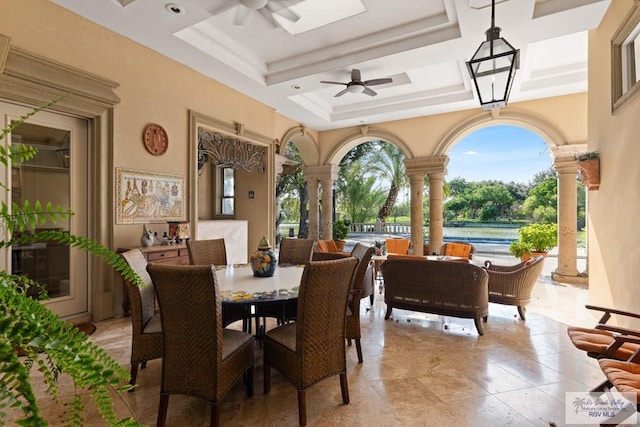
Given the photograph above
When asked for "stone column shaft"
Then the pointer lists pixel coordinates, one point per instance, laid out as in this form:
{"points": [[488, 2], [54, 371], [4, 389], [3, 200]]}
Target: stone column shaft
{"points": [[567, 217], [436, 221], [417, 214], [327, 209], [313, 208]]}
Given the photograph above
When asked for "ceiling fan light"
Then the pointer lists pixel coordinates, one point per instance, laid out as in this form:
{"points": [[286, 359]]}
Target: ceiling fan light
{"points": [[355, 88], [254, 4]]}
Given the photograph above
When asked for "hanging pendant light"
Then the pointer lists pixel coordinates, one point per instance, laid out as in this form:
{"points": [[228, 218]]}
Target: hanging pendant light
{"points": [[493, 67]]}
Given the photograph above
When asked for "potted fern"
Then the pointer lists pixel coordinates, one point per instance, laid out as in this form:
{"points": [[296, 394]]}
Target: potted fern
{"points": [[32, 336]]}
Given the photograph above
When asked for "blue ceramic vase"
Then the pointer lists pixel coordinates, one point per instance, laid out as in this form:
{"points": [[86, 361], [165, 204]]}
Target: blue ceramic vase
{"points": [[263, 261]]}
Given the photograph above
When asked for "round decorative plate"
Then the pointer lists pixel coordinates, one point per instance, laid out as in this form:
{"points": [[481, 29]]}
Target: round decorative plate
{"points": [[155, 139]]}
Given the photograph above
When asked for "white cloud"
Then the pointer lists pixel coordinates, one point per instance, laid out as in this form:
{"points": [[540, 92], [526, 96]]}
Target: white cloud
{"points": [[470, 153]]}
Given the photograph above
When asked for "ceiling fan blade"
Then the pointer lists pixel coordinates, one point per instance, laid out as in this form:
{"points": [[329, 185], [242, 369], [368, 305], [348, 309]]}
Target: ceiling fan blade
{"points": [[342, 92], [378, 81], [369, 92], [275, 6], [355, 75], [242, 15], [267, 14], [333, 83]]}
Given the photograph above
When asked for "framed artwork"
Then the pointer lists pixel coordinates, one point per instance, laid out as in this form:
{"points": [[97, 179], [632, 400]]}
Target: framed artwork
{"points": [[148, 197]]}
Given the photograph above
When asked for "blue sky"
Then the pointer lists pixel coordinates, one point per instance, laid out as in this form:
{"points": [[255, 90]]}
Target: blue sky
{"points": [[503, 153]]}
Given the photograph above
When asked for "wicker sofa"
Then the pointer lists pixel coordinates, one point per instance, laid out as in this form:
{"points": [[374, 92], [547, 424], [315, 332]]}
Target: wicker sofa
{"points": [[440, 287]]}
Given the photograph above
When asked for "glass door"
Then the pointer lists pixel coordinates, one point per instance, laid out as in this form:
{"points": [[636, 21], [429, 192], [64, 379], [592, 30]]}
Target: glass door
{"points": [[57, 174]]}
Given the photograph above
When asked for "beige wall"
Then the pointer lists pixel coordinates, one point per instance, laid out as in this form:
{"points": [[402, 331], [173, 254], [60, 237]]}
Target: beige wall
{"points": [[614, 270], [153, 89], [156, 89]]}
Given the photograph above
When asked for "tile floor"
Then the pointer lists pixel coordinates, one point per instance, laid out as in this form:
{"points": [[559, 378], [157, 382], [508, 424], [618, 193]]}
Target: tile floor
{"points": [[418, 370]]}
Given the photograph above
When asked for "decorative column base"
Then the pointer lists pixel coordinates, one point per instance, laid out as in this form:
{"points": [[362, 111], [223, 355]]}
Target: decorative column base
{"points": [[572, 280]]}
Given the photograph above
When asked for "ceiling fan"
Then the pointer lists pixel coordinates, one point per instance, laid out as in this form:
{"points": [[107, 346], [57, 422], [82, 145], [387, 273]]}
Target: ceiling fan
{"points": [[266, 8], [356, 85]]}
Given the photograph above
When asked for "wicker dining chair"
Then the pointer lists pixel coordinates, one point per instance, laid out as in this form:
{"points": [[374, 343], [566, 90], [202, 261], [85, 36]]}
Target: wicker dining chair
{"points": [[213, 252], [512, 285], [295, 251], [207, 252], [292, 251], [146, 327], [362, 288], [313, 347], [201, 358]]}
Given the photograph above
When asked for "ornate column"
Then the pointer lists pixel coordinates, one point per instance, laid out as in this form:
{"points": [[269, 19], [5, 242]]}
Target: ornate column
{"points": [[565, 166], [434, 167], [325, 174], [314, 231], [436, 220], [416, 181]]}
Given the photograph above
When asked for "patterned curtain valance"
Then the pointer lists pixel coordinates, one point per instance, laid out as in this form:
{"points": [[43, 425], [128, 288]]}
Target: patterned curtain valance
{"points": [[224, 150]]}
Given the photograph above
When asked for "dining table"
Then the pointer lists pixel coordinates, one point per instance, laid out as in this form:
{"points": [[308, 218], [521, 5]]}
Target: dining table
{"points": [[238, 285]]}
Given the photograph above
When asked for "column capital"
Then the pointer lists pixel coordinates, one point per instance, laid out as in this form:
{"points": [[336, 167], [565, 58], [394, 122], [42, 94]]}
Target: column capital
{"points": [[565, 166], [426, 165], [281, 161], [321, 172], [566, 151]]}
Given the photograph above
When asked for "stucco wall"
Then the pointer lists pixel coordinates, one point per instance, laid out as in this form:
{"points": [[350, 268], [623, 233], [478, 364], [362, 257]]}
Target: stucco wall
{"points": [[153, 89], [613, 209]]}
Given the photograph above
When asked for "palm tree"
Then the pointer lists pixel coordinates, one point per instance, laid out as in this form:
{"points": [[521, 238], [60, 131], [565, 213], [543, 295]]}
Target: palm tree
{"points": [[388, 163]]}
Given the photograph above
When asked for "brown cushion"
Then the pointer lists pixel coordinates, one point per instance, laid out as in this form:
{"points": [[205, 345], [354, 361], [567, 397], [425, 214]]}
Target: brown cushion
{"points": [[597, 341], [285, 335], [154, 325], [625, 376], [233, 340]]}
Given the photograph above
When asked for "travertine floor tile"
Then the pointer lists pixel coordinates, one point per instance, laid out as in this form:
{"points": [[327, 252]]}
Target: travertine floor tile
{"points": [[419, 370]]}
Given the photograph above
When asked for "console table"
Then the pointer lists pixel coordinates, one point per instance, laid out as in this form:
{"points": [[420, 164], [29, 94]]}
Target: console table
{"points": [[163, 254]]}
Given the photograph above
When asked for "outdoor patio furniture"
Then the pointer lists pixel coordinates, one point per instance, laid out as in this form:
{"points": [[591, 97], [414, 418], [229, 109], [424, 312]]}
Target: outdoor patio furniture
{"points": [[146, 328], [362, 288], [207, 252], [313, 347], [459, 249], [600, 341], [440, 287], [201, 357], [397, 246], [213, 252], [624, 376], [512, 285], [295, 251]]}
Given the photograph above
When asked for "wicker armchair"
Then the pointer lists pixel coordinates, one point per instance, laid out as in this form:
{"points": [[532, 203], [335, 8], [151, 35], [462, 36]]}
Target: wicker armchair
{"points": [[312, 348], [362, 288], [459, 249], [146, 330], [295, 251], [201, 358], [207, 252], [512, 285], [214, 252]]}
